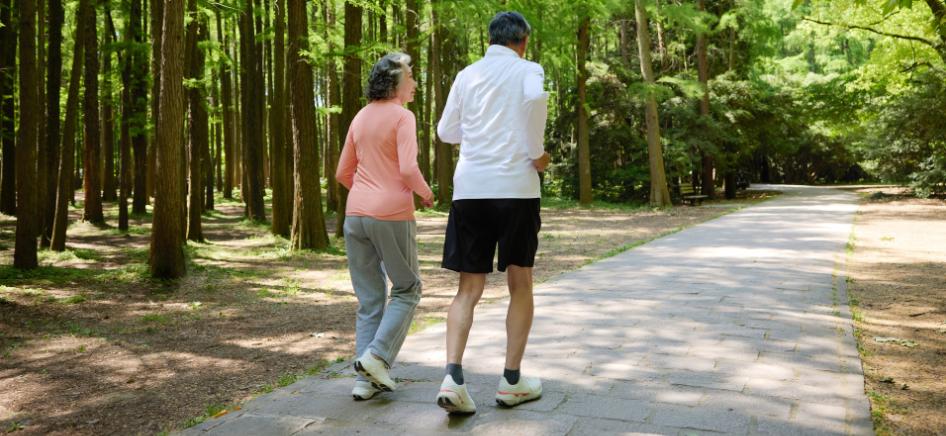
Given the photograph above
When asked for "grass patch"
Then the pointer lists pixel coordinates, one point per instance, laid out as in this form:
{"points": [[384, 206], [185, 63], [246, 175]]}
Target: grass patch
{"points": [[156, 318], [75, 299], [210, 411], [879, 408], [568, 203], [424, 322]]}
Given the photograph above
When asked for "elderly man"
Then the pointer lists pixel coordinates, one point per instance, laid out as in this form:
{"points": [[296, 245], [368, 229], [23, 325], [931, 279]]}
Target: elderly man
{"points": [[496, 111]]}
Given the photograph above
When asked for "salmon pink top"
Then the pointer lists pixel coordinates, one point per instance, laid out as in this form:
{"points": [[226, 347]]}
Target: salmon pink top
{"points": [[379, 163]]}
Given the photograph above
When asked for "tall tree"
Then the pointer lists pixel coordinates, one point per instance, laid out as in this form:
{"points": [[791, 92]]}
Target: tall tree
{"points": [[91, 130], [659, 194], [584, 150], [351, 92], [229, 122], [7, 108], [53, 85], [251, 82], [708, 184], [109, 182], [334, 135], [412, 22], [443, 152], [24, 255], [67, 147], [308, 223], [280, 174], [146, 160], [198, 135], [167, 253]]}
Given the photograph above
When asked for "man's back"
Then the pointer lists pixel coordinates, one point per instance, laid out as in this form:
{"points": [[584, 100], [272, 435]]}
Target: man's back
{"points": [[496, 111]]}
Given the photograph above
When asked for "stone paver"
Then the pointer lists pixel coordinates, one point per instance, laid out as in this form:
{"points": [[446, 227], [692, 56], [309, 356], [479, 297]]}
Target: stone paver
{"points": [[738, 325]]}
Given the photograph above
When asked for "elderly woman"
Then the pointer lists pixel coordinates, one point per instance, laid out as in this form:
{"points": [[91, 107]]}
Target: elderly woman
{"points": [[379, 166]]}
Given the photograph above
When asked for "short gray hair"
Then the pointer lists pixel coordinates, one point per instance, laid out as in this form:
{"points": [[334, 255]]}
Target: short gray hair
{"points": [[386, 75], [508, 27]]}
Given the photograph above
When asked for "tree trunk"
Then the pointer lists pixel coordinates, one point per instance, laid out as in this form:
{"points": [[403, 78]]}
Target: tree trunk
{"points": [[351, 93], [659, 194], [42, 186], [24, 254], [198, 137], [91, 128], [130, 107], [67, 159], [226, 90], [308, 223], [280, 178], [167, 254], [584, 151], [441, 56], [706, 159], [412, 20], [335, 137], [109, 182], [146, 159], [53, 85], [251, 82], [7, 108]]}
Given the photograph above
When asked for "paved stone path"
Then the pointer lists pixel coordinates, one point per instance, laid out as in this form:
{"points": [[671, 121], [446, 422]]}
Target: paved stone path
{"points": [[738, 325]]}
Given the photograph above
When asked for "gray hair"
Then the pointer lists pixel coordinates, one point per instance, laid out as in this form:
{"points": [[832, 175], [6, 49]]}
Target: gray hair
{"points": [[508, 27], [386, 75]]}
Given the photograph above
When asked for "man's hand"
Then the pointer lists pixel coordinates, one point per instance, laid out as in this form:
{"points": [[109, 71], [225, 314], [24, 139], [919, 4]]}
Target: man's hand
{"points": [[541, 163]]}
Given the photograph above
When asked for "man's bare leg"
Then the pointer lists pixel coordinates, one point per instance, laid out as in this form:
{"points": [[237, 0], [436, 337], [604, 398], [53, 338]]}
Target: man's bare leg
{"points": [[460, 316], [519, 314]]}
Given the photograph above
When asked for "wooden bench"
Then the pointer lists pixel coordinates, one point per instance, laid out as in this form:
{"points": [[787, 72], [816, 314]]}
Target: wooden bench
{"points": [[691, 196]]}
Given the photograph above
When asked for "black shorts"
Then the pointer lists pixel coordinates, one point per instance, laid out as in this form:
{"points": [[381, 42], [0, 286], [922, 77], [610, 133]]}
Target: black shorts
{"points": [[476, 226]]}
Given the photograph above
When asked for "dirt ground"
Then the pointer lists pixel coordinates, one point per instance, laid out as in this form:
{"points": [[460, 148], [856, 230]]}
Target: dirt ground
{"points": [[90, 345], [897, 282]]}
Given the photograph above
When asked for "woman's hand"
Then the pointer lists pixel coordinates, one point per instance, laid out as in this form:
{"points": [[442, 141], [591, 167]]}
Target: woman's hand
{"points": [[427, 202]]}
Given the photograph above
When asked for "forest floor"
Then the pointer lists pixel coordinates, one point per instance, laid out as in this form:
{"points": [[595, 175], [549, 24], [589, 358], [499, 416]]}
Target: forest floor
{"points": [[897, 284], [89, 344]]}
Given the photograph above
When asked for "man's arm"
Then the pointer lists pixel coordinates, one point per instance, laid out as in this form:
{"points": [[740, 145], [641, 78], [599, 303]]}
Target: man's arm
{"points": [[536, 107], [448, 129]]}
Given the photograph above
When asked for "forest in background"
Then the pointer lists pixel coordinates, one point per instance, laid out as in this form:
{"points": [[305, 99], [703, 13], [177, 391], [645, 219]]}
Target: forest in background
{"points": [[157, 104]]}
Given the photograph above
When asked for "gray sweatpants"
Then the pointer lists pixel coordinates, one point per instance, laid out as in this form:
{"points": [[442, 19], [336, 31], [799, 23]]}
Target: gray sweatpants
{"points": [[377, 248]]}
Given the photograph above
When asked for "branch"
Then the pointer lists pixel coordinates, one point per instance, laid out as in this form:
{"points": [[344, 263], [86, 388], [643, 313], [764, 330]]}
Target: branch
{"points": [[878, 32]]}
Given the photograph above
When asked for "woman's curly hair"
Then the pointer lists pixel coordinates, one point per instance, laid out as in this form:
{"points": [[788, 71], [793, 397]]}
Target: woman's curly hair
{"points": [[386, 75]]}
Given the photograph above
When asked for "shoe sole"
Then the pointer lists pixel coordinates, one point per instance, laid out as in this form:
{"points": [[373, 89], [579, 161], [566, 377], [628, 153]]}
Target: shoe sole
{"points": [[377, 384], [451, 408], [510, 404]]}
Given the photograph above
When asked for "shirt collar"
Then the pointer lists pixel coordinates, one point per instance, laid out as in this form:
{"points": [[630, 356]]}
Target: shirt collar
{"points": [[500, 50]]}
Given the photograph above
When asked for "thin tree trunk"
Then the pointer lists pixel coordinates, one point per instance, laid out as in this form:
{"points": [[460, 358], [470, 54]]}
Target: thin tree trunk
{"points": [[167, 253], [332, 91], [146, 160], [251, 82], [280, 178], [109, 182], [440, 56], [584, 151], [7, 108], [308, 223], [197, 131], [42, 186], [229, 132], [53, 85], [351, 93], [64, 192], [129, 61], [24, 254], [91, 128], [413, 50], [659, 194], [708, 184]]}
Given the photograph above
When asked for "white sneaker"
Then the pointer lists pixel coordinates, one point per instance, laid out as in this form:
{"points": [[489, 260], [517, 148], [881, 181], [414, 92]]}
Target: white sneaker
{"points": [[363, 390], [528, 389], [454, 398], [375, 371]]}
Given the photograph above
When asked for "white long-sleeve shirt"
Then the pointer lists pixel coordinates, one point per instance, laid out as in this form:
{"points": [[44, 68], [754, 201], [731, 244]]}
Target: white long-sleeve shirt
{"points": [[496, 111]]}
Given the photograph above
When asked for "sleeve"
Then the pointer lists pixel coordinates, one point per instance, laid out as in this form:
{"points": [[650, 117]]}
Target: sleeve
{"points": [[448, 129], [537, 110], [347, 162], [407, 156]]}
